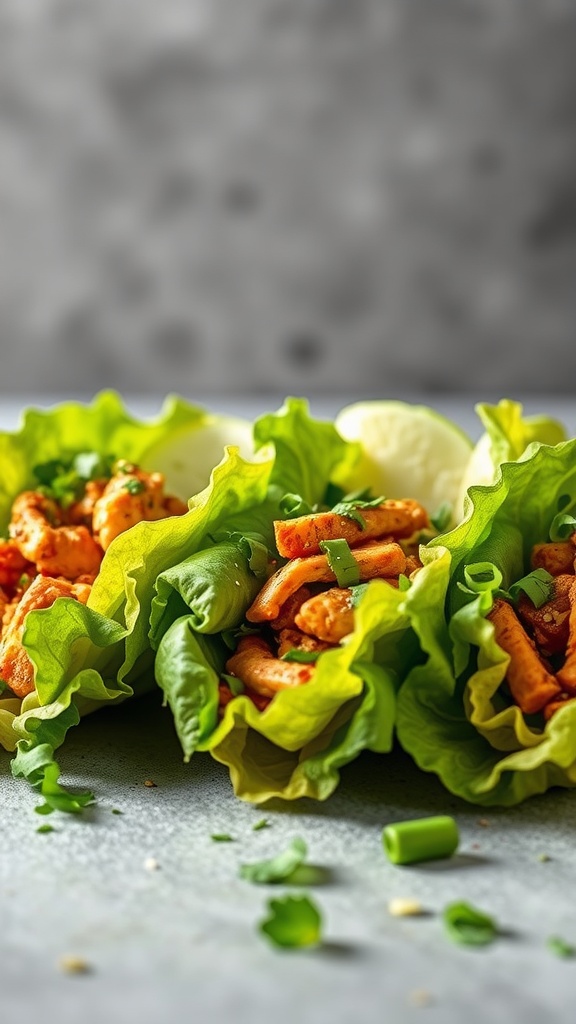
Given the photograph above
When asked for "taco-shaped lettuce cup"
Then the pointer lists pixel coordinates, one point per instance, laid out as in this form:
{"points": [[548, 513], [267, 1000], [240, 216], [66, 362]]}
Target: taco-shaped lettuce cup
{"points": [[73, 482], [492, 711], [281, 642]]}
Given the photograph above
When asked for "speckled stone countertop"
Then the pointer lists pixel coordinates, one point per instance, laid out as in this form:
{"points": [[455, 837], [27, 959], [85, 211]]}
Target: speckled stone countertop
{"points": [[180, 940]]}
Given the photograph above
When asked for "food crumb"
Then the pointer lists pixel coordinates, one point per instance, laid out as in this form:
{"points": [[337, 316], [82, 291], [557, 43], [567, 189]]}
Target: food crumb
{"points": [[151, 864], [74, 965], [420, 997], [149, 783], [483, 822], [404, 907], [544, 857]]}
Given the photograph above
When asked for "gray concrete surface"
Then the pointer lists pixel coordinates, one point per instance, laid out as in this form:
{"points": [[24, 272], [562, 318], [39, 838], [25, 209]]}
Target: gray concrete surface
{"points": [[301, 195]]}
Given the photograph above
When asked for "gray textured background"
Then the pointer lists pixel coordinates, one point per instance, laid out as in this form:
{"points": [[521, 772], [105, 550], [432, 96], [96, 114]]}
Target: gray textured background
{"points": [[224, 196]]}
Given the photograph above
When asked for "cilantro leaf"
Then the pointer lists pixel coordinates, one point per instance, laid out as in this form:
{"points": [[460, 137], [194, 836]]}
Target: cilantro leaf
{"points": [[278, 868], [468, 926], [303, 657], [294, 922]]}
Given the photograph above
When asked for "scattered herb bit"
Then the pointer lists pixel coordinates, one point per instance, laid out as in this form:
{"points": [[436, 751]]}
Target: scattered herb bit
{"points": [[74, 965], [469, 926], [45, 828], [116, 810], [350, 507], [304, 657], [222, 837], [150, 784], [56, 796], [263, 823], [235, 685], [134, 486], [560, 947], [403, 583], [341, 561], [276, 869], [544, 858], [405, 907], [440, 519], [295, 922], [293, 505], [483, 822], [44, 809]]}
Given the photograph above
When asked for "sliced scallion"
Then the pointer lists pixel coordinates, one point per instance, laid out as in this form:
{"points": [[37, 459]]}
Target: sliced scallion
{"points": [[341, 561], [421, 839]]}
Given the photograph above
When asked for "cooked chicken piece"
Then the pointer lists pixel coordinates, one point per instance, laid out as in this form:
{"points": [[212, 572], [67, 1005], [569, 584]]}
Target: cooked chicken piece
{"points": [[297, 538], [16, 669], [549, 623], [255, 664], [290, 608], [556, 558], [531, 685], [294, 640], [567, 674], [373, 560], [38, 531], [131, 496], [555, 705], [13, 564], [329, 616], [82, 511]]}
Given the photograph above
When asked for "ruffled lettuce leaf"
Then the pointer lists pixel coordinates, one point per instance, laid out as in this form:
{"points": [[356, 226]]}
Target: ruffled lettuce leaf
{"points": [[452, 717], [506, 438]]}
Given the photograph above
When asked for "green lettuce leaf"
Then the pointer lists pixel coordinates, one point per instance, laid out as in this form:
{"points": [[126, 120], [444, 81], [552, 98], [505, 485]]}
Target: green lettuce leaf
{"points": [[452, 716]]}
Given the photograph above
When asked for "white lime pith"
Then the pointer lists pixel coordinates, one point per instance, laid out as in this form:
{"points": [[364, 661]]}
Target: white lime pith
{"points": [[407, 451], [188, 459]]}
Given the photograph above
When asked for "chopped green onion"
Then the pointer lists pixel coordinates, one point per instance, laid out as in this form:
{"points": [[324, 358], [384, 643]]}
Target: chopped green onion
{"points": [[116, 810], [469, 926], [221, 837], [560, 947], [482, 576], [276, 869], [341, 561], [563, 526], [421, 839], [538, 585], [440, 519], [45, 828], [303, 657], [263, 823], [294, 922]]}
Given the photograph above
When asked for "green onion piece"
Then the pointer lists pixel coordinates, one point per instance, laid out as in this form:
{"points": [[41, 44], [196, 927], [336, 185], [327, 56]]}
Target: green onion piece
{"points": [[563, 526], [293, 922], [341, 561], [560, 947], [482, 576], [134, 486], [276, 869], [293, 505], [221, 837], [538, 585], [421, 839], [235, 685], [263, 823], [45, 828], [469, 926], [303, 657], [116, 810], [440, 519]]}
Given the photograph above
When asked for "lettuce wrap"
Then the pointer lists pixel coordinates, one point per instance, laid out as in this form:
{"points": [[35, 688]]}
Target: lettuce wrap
{"points": [[87, 655], [294, 746], [456, 714]]}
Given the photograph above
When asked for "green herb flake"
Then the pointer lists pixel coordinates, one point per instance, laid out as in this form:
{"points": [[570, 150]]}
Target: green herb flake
{"points": [[116, 810], [303, 657], [278, 868], [441, 518], [350, 507], [58, 797], [560, 947], [404, 583], [263, 823], [341, 561], [469, 926], [294, 922], [235, 685], [134, 486], [43, 829], [292, 506], [222, 837]]}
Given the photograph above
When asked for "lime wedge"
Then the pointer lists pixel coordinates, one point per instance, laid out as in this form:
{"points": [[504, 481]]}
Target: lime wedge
{"points": [[189, 458], [407, 451]]}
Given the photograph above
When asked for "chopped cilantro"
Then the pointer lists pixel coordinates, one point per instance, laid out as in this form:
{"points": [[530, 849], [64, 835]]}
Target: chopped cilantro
{"points": [[293, 922], [341, 561], [351, 503], [278, 868], [304, 657], [469, 926], [134, 486], [64, 481]]}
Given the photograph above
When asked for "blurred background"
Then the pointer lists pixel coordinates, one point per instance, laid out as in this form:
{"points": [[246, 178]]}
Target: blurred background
{"points": [[371, 197]]}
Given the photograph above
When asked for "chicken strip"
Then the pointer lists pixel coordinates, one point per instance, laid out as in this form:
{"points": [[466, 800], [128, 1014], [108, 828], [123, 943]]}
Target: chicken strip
{"points": [[531, 685], [567, 674], [328, 616], [297, 538], [16, 669], [255, 664], [373, 560]]}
